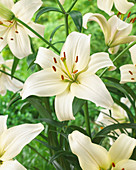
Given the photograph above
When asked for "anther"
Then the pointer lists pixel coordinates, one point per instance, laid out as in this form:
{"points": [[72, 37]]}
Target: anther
{"points": [[55, 61], [119, 13], [132, 79], [76, 59], [131, 20], [130, 72], [134, 20], [101, 127], [10, 21], [64, 55], [54, 68], [62, 77], [123, 168], [113, 164], [16, 31], [128, 15], [11, 39], [1, 38], [75, 71], [1, 22]]}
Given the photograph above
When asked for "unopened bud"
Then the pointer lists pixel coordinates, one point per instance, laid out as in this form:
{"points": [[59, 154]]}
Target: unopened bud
{"points": [[6, 13]]}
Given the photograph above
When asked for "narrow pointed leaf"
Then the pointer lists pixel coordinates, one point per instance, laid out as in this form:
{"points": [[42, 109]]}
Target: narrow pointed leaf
{"points": [[77, 18]]}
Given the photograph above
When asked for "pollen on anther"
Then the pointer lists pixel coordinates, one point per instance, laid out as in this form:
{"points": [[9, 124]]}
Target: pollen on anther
{"points": [[123, 168], [130, 72], [1, 38], [113, 164], [16, 31], [54, 68], [11, 39], [62, 77], [55, 61], [1, 22], [64, 55], [128, 15], [134, 20], [132, 79], [76, 59], [75, 71]]}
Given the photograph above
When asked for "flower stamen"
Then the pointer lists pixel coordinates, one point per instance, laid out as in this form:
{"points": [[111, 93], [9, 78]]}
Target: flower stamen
{"points": [[76, 59], [54, 68], [113, 164], [130, 72], [62, 77], [75, 71], [55, 61]]}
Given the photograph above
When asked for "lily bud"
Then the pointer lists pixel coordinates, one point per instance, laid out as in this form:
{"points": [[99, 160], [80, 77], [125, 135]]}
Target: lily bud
{"points": [[6, 13]]}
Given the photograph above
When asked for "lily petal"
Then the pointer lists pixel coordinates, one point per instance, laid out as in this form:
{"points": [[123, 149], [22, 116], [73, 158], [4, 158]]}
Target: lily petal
{"points": [[101, 20], [3, 37], [12, 165], [1, 60], [128, 73], [3, 89], [62, 1], [18, 41], [63, 106], [114, 50], [91, 156], [8, 3], [15, 138], [45, 58], [77, 44], [44, 83], [122, 148], [123, 5], [25, 9], [126, 164], [105, 5], [37, 27], [13, 84], [92, 88], [98, 61], [133, 54], [3, 123]]}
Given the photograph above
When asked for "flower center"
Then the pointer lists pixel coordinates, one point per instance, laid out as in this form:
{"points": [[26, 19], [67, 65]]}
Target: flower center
{"points": [[1, 162]]}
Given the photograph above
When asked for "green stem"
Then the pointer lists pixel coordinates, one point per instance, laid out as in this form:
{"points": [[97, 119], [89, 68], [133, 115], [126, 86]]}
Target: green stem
{"points": [[38, 35], [11, 76], [105, 70], [61, 7], [66, 23], [87, 122], [73, 4], [37, 152]]}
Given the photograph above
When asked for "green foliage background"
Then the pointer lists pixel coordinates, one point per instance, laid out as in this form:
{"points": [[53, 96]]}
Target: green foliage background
{"points": [[17, 113]]}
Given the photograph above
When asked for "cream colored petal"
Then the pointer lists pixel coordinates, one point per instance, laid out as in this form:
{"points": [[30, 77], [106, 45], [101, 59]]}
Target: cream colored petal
{"points": [[9, 64], [91, 156], [19, 42], [3, 123], [12, 165], [3, 37], [37, 27], [126, 164], [63, 106], [8, 3], [14, 139], [101, 20], [13, 84], [114, 50], [25, 9], [122, 148], [3, 89], [98, 61], [62, 1], [105, 5], [123, 5], [91, 87], [1, 60], [123, 40], [133, 54], [128, 73], [47, 58], [77, 44], [44, 83]]}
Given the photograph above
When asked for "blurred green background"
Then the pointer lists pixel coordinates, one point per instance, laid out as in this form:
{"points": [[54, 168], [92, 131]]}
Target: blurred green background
{"points": [[17, 112]]}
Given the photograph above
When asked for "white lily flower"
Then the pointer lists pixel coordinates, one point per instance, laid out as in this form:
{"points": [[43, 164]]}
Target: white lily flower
{"points": [[121, 5], [6, 83], [128, 71], [16, 35], [115, 30], [95, 157], [13, 140], [118, 113], [71, 74], [62, 1]]}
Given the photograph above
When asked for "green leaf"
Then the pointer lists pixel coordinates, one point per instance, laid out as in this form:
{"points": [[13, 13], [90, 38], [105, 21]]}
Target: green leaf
{"points": [[14, 66], [77, 18], [77, 105], [71, 128], [30, 61], [24, 107], [54, 31], [14, 100], [101, 135], [44, 10]]}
